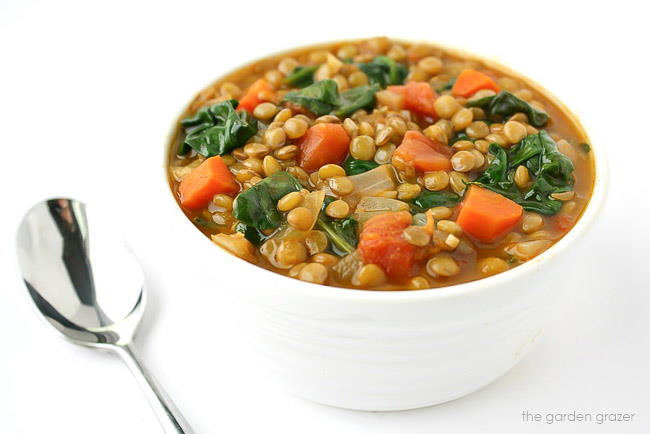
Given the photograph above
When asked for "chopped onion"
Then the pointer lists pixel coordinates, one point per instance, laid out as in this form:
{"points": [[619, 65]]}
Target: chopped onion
{"points": [[381, 204], [370, 183], [237, 245], [348, 266], [369, 207]]}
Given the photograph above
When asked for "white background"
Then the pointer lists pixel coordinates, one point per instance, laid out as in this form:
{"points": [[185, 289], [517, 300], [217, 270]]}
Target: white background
{"points": [[87, 93]]}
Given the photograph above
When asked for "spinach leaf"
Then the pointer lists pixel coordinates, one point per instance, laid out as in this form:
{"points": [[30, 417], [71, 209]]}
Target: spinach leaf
{"points": [[526, 149], [355, 99], [257, 206], [384, 71], [301, 76], [481, 102], [551, 170], [319, 98], [323, 97], [585, 147], [217, 129], [342, 233], [506, 104], [447, 86], [551, 166], [431, 199], [497, 176], [543, 206], [353, 166], [251, 233]]}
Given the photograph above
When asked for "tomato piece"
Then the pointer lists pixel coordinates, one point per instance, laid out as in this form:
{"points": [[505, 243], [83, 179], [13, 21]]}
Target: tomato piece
{"points": [[381, 243]]}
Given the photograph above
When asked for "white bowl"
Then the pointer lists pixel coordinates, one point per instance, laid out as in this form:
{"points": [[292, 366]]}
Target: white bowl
{"points": [[382, 350]]}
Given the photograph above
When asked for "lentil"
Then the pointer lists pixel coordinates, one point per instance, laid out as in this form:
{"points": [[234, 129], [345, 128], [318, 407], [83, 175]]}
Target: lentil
{"points": [[442, 265]]}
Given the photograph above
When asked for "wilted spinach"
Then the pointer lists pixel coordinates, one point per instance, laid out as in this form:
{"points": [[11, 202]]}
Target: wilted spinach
{"points": [[257, 206], [552, 172], [384, 71], [506, 104], [217, 129], [251, 233], [355, 99], [342, 233], [353, 166], [301, 76], [323, 97], [431, 199], [319, 98]]}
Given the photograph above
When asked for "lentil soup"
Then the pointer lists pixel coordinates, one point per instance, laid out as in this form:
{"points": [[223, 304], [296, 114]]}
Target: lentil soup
{"points": [[380, 164]]}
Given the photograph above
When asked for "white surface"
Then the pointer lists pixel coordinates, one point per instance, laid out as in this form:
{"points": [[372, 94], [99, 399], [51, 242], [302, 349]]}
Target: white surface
{"points": [[86, 94]]}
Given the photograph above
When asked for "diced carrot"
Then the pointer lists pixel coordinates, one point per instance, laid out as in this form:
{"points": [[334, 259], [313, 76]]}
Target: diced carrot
{"points": [[257, 93], [487, 215], [209, 178], [418, 97], [323, 144], [381, 243], [423, 154], [470, 81]]}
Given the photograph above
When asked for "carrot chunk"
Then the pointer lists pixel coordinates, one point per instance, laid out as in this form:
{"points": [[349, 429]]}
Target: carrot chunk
{"points": [[418, 96], [323, 144], [381, 243], [470, 81], [209, 178], [257, 93], [423, 154], [487, 215]]}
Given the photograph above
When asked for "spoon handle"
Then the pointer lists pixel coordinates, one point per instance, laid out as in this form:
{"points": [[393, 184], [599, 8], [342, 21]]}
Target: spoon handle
{"points": [[168, 415]]}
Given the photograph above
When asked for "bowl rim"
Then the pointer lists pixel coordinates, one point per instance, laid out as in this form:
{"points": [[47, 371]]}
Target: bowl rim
{"points": [[585, 220]]}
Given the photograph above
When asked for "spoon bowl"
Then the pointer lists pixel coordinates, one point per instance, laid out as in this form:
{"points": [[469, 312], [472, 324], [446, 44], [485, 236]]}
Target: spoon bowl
{"points": [[54, 253], [91, 294]]}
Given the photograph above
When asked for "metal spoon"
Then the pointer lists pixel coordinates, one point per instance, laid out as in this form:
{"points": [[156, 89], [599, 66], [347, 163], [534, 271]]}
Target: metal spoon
{"points": [[95, 303]]}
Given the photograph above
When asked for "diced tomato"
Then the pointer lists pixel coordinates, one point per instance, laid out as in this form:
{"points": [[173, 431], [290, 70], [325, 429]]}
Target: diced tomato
{"points": [[564, 222], [381, 243]]}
